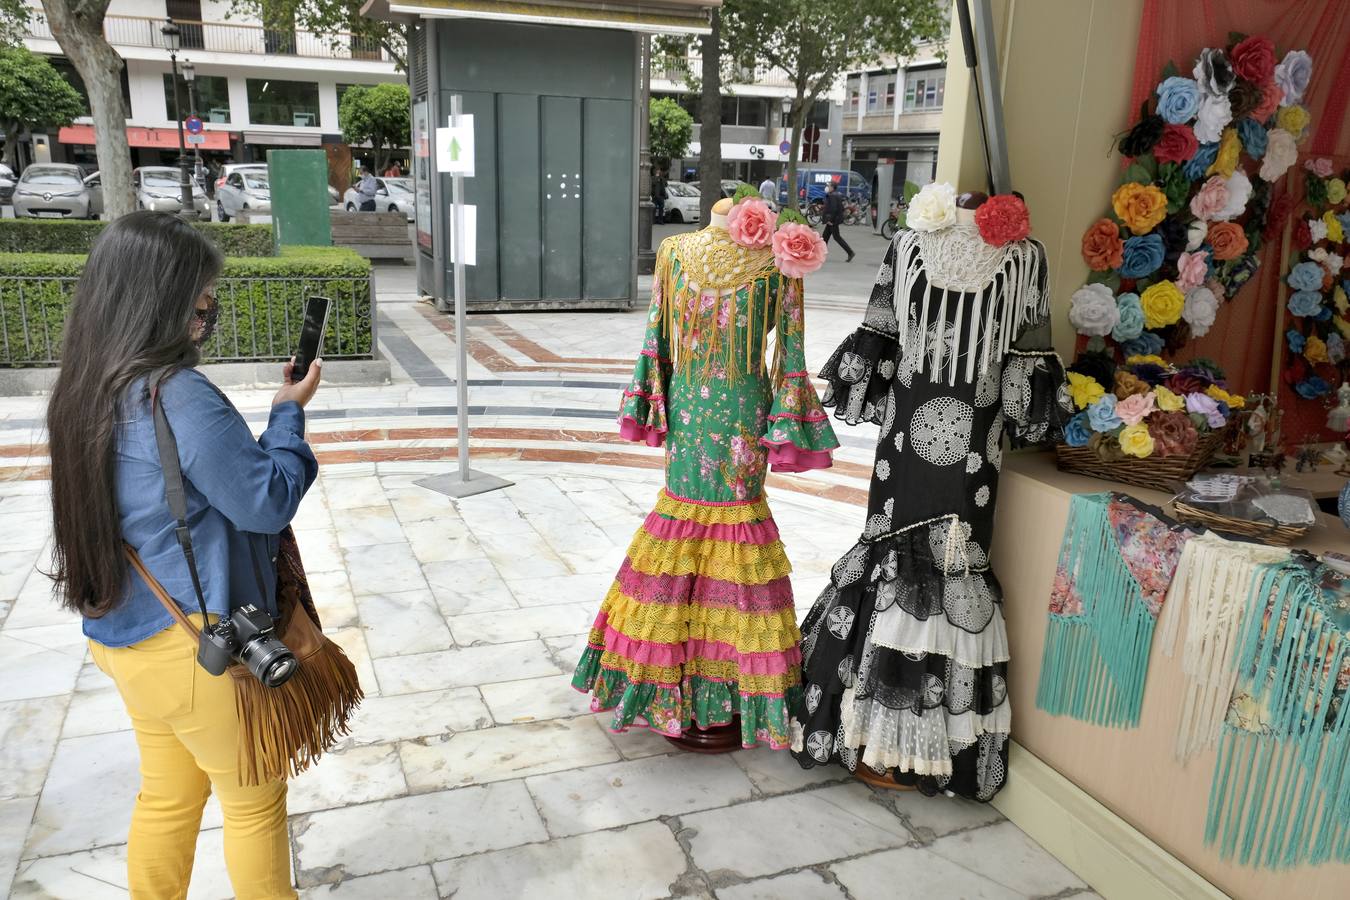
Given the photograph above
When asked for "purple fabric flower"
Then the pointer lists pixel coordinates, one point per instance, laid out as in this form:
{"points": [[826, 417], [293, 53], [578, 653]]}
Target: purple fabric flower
{"points": [[1207, 406]]}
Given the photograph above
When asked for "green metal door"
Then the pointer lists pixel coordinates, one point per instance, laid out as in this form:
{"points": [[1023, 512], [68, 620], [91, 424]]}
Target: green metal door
{"points": [[560, 121]]}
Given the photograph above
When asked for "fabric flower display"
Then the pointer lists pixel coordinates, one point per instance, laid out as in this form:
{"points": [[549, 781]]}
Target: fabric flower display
{"points": [[1084, 390], [1139, 206], [1211, 199], [1102, 414], [1178, 143], [1136, 441], [1078, 432], [1192, 269], [1093, 310], [1281, 153], [1130, 321], [1142, 256], [1200, 310], [1162, 303], [1002, 219], [798, 250], [932, 208], [1293, 74], [1178, 99], [1103, 249], [751, 223]]}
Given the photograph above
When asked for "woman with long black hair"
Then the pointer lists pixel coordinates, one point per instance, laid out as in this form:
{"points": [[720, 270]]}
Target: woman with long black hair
{"points": [[141, 311]]}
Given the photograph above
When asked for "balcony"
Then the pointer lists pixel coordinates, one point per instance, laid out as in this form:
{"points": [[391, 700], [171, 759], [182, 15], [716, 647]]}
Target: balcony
{"points": [[677, 69], [222, 37]]}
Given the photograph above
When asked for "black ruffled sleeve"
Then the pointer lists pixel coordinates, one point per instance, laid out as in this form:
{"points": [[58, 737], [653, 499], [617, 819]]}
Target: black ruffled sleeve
{"points": [[858, 374]]}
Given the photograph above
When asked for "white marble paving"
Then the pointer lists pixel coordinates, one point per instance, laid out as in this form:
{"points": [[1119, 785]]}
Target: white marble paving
{"points": [[801, 886], [505, 752]]}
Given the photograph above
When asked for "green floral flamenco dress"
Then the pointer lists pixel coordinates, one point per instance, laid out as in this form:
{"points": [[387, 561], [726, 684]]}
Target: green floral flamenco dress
{"points": [[699, 626]]}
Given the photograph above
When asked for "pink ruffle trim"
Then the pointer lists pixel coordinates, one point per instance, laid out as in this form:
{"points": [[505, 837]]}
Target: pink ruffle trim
{"points": [[813, 417], [677, 589], [788, 457], [676, 655], [658, 526], [631, 429]]}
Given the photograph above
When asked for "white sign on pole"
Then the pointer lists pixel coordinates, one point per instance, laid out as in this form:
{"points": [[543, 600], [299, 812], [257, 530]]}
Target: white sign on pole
{"points": [[197, 138], [470, 240], [454, 148]]}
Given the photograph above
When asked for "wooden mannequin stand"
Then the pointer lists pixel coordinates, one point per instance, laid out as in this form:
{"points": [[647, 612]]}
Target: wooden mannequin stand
{"points": [[717, 739]]}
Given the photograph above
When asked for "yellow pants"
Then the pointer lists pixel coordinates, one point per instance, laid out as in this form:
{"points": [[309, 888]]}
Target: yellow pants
{"points": [[188, 733]]}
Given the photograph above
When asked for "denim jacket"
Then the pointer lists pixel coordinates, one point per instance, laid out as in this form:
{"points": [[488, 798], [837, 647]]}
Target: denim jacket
{"points": [[241, 493]]}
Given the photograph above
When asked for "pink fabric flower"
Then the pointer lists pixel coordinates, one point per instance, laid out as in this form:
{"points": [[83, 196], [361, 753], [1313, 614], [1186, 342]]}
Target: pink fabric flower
{"points": [[1135, 408], [798, 250], [1191, 270], [1211, 199], [751, 223], [1321, 167]]}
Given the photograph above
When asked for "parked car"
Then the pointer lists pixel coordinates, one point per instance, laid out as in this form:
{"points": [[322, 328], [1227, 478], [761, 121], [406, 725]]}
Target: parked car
{"points": [[7, 180], [334, 198], [247, 191], [392, 195], [156, 187], [730, 186], [51, 190], [811, 185], [682, 202], [230, 168]]}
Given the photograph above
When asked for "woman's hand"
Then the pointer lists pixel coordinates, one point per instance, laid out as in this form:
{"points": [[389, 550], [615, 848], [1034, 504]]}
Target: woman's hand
{"points": [[300, 391]]}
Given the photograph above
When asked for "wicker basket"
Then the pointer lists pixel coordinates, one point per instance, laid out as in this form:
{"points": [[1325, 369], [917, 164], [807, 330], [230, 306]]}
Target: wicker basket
{"points": [[1161, 473], [1267, 532]]}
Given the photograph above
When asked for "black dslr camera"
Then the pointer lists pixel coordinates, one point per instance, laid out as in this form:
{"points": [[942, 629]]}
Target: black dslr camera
{"points": [[249, 636]]}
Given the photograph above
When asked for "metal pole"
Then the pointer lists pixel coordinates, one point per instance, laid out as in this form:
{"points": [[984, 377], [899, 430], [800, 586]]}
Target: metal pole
{"points": [[186, 208], [192, 111], [461, 300], [996, 139], [646, 206]]}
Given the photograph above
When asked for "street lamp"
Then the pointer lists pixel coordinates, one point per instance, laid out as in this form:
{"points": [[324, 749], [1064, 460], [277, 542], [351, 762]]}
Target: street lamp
{"points": [[173, 38], [190, 76]]}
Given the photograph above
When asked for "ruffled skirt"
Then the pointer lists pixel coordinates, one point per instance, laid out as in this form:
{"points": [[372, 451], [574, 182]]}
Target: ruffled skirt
{"points": [[698, 626], [905, 660]]}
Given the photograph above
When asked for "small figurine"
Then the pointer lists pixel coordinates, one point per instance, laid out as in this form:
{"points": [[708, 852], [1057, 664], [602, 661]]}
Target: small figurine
{"points": [[1256, 429], [1307, 459], [1338, 420]]}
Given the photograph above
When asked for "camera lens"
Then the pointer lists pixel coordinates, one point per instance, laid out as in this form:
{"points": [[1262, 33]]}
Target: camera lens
{"points": [[270, 661]]}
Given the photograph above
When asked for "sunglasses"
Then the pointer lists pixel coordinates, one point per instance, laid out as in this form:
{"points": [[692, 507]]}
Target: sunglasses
{"points": [[202, 315]]}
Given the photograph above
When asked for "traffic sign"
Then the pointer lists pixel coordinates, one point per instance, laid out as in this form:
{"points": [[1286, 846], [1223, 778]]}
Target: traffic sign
{"points": [[454, 148], [785, 147], [196, 138], [193, 124]]}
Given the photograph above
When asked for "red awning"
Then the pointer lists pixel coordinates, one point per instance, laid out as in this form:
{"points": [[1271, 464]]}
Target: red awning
{"points": [[157, 138]]}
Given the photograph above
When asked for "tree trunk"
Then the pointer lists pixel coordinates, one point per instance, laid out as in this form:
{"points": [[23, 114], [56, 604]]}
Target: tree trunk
{"points": [[797, 121], [10, 156], [77, 26], [710, 129]]}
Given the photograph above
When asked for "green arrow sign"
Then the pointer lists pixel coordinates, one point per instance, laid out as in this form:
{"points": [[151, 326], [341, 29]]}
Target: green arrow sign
{"points": [[454, 150]]}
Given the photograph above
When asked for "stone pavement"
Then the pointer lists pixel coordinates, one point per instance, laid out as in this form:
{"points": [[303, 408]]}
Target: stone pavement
{"points": [[474, 770]]}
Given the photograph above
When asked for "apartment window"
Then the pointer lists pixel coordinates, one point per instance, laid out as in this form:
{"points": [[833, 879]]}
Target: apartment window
{"points": [[853, 95], [880, 93], [820, 115], [272, 102], [729, 110], [924, 89], [213, 97], [752, 111]]}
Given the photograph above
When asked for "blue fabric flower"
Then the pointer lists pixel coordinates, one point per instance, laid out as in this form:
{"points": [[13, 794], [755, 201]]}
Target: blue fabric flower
{"points": [[1296, 341], [1147, 344], [1131, 323], [1143, 255], [1078, 431], [1178, 99], [1254, 137], [1102, 414], [1210, 264], [1323, 314], [1336, 348], [1312, 387], [1195, 167], [1306, 276], [1344, 219], [1305, 303]]}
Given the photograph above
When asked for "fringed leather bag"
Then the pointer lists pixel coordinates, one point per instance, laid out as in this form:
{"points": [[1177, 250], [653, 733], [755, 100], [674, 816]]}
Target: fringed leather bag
{"points": [[284, 729]]}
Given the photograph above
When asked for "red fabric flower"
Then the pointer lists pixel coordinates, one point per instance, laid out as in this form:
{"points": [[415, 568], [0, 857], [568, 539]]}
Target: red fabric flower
{"points": [[1177, 144], [1279, 211], [1302, 235], [1271, 96], [1254, 59], [1002, 219]]}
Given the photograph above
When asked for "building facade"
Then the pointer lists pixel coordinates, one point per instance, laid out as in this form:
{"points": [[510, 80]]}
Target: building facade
{"points": [[255, 88], [892, 115]]}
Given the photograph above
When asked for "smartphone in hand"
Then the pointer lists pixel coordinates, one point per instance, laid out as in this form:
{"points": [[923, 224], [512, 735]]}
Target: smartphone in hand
{"points": [[311, 335]]}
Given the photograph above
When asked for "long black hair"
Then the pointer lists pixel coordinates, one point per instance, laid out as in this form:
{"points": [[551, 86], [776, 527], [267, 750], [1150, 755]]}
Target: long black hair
{"points": [[131, 316]]}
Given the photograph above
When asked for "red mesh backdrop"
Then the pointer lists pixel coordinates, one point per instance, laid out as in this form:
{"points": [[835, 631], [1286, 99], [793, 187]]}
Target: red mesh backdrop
{"points": [[1177, 30]]}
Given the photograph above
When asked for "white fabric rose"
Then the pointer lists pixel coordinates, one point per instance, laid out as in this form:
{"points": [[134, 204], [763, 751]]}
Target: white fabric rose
{"points": [[933, 208], [1200, 310], [1335, 262], [1196, 233], [1093, 310], [1293, 74], [1239, 192], [1281, 153], [1318, 254], [1216, 111], [1318, 229]]}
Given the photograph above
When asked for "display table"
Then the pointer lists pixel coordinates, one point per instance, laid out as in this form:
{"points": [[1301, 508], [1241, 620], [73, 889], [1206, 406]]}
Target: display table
{"points": [[1148, 840]]}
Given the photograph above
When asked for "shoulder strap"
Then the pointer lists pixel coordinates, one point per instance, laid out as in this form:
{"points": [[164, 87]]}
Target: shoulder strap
{"points": [[175, 494], [158, 590]]}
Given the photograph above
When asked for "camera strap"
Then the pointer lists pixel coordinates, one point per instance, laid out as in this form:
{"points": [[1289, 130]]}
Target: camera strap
{"points": [[175, 495]]}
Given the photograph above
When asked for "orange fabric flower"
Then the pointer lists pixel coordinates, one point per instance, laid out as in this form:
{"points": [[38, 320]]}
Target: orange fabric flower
{"points": [[1127, 384], [1228, 240], [1103, 250], [1139, 206]]}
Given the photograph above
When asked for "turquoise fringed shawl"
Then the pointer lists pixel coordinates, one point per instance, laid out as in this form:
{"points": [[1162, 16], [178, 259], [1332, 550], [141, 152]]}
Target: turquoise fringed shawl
{"points": [[1281, 789], [1115, 563]]}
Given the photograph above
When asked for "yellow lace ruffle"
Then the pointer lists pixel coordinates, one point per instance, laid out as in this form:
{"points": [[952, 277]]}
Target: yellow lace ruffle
{"points": [[735, 514], [725, 561], [747, 632], [720, 670]]}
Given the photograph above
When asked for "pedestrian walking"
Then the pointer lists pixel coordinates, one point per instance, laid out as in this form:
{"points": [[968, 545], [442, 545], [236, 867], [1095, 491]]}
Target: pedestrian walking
{"points": [[143, 308], [393, 171], [768, 189], [659, 195], [366, 189], [833, 216]]}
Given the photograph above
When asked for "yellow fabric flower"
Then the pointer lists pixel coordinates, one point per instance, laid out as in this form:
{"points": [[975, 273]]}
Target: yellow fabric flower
{"points": [[1139, 206], [1234, 401], [1146, 359], [1335, 190], [1340, 299], [1292, 119], [1227, 160], [1166, 400], [1136, 441], [1315, 350], [1335, 231], [1163, 303], [1343, 326], [1085, 390]]}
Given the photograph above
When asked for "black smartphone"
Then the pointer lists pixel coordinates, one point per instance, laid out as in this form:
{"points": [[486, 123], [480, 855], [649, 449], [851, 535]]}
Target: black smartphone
{"points": [[311, 335]]}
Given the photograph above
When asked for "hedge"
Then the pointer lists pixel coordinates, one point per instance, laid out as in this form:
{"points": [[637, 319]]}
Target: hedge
{"points": [[260, 316], [78, 236]]}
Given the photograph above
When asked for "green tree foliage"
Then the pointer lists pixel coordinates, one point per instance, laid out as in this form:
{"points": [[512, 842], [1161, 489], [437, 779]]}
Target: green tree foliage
{"points": [[13, 21], [338, 21], [817, 41], [33, 96], [379, 114], [671, 128]]}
